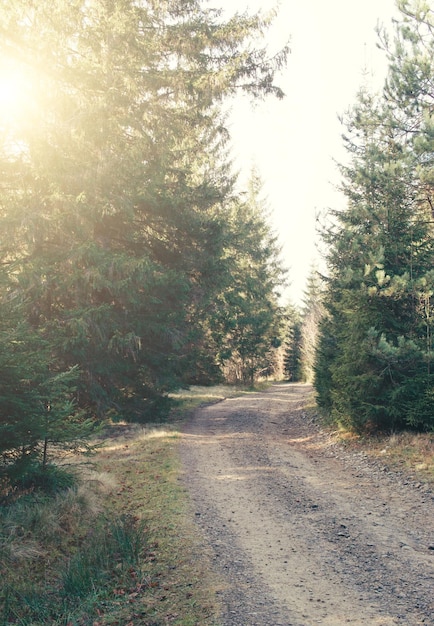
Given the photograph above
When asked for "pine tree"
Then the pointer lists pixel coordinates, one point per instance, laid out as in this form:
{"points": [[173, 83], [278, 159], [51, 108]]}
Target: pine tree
{"points": [[113, 192], [293, 355], [37, 408], [248, 318], [373, 361], [311, 316]]}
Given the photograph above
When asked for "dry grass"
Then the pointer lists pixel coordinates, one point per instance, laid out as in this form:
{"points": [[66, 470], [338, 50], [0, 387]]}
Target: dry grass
{"points": [[179, 585], [412, 453], [190, 399], [32, 527], [408, 452], [46, 544]]}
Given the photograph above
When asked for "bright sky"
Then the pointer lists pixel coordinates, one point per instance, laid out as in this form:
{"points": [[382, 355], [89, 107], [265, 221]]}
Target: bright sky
{"points": [[293, 143]]}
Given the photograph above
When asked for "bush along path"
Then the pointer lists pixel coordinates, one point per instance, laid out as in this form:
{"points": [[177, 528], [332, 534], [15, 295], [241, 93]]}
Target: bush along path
{"points": [[303, 530]]}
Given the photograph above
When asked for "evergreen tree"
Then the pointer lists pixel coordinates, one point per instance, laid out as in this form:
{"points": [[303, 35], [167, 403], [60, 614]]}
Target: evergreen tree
{"points": [[37, 408], [114, 187], [373, 362], [311, 316], [248, 318], [293, 355]]}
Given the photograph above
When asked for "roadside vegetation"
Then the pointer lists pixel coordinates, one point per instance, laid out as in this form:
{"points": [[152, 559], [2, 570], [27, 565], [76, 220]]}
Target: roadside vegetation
{"points": [[117, 546], [408, 452], [374, 365], [113, 542], [364, 335]]}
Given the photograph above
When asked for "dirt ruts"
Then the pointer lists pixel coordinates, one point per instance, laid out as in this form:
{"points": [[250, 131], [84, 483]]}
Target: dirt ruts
{"points": [[302, 531]]}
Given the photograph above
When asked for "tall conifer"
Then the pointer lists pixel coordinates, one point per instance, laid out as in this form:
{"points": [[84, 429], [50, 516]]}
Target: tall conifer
{"points": [[115, 187], [374, 356]]}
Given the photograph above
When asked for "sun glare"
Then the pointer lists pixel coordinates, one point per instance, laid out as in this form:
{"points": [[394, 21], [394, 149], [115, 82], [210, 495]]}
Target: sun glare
{"points": [[17, 106], [15, 88], [12, 90]]}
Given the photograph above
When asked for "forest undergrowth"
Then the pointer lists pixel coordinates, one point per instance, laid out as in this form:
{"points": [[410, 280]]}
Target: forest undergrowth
{"points": [[116, 548]]}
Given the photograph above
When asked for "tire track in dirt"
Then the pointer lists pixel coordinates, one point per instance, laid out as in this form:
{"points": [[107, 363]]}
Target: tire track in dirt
{"points": [[303, 533]]}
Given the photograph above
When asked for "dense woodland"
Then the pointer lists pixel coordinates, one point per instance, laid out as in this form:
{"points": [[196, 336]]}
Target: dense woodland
{"points": [[131, 264]]}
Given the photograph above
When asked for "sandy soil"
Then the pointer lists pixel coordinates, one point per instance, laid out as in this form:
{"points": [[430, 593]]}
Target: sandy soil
{"points": [[302, 531]]}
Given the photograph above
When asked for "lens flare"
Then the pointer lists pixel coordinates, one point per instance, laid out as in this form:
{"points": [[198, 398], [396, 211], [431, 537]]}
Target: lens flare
{"points": [[13, 90]]}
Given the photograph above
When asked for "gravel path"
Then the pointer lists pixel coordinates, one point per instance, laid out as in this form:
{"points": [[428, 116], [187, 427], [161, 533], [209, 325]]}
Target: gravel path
{"points": [[301, 531]]}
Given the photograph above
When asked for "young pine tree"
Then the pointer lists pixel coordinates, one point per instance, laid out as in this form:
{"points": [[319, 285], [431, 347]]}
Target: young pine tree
{"points": [[293, 364]]}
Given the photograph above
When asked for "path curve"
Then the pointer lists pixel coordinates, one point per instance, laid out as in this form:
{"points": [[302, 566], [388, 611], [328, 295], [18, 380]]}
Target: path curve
{"points": [[301, 531]]}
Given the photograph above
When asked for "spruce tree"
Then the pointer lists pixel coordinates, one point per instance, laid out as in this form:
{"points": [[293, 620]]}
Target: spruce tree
{"points": [[293, 364], [373, 363], [116, 188], [311, 316], [248, 318]]}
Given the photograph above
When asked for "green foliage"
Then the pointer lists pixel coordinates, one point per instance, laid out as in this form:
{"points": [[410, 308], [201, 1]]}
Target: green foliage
{"points": [[303, 331], [374, 355], [119, 232], [37, 408], [325, 358], [293, 357], [21, 370], [114, 546], [247, 323], [27, 475], [311, 316]]}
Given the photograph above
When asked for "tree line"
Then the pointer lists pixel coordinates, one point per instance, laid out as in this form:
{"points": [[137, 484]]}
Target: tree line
{"points": [[374, 361], [130, 262]]}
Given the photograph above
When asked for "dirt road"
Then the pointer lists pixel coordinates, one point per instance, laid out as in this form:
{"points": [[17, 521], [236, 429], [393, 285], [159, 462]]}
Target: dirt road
{"points": [[301, 531]]}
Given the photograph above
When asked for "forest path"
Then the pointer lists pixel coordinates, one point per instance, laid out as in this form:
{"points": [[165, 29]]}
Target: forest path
{"points": [[302, 531]]}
